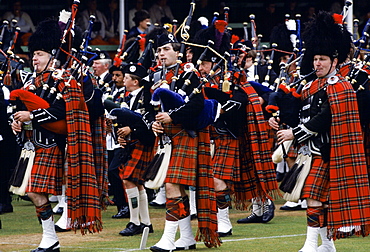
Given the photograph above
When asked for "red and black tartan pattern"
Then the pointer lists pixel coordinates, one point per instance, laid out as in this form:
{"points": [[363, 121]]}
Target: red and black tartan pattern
{"points": [[44, 211], [349, 192], [257, 173], [84, 198], [190, 165], [317, 182], [225, 161], [177, 208], [98, 133], [316, 216], [47, 171], [134, 169], [183, 163]]}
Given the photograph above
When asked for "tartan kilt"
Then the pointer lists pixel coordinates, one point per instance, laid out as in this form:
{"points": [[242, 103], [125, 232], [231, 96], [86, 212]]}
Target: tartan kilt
{"points": [[317, 183], [134, 168], [182, 168], [47, 171], [226, 162]]}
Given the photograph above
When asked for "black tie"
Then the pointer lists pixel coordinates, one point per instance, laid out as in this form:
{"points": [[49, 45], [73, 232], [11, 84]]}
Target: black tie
{"points": [[128, 98]]}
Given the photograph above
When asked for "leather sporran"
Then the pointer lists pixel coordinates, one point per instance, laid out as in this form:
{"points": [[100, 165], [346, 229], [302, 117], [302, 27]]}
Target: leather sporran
{"points": [[22, 172], [294, 180]]}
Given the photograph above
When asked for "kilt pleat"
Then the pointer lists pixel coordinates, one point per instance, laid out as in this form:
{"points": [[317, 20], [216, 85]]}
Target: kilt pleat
{"points": [[225, 161], [134, 169], [183, 162], [47, 171], [317, 182]]}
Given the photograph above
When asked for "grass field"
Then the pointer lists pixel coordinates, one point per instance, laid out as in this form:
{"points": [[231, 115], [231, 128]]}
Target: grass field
{"points": [[286, 232]]}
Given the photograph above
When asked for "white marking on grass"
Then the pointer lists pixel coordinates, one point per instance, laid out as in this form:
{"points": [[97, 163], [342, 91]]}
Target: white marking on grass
{"points": [[138, 249]]}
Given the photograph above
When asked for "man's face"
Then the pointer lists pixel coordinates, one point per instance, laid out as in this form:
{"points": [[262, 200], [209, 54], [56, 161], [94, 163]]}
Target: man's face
{"points": [[205, 67], [118, 78], [40, 60], [323, 65], [99, 68], [167, 55], [248, 61], [130, 83]]}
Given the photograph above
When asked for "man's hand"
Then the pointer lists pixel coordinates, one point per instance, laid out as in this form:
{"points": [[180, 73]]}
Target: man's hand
{"points": [[157, 128], [123, 132], [22, 116], [163, 117], [122, 141], [284, 135], [16, 126], [274, 122]]}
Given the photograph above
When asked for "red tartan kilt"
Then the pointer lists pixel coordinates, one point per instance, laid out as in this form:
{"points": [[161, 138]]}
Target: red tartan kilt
{"points": [[272, 136], [317, 183], [183, 162], [134, 169], [225, 162], [47, 171]]}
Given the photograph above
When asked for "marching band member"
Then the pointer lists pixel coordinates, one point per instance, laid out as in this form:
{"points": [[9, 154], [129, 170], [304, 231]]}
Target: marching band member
{"points": [[188, 165], [263, 211], [114, 99], [336, 188], [141, 151], [71, 146]]}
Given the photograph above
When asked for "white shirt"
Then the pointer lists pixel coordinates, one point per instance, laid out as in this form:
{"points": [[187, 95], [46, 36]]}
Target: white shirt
{"points": [[134, 94], [250, 73]]}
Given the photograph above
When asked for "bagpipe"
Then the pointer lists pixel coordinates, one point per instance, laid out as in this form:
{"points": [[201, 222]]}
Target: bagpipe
{"points": [[184, 34], [10, 64]]}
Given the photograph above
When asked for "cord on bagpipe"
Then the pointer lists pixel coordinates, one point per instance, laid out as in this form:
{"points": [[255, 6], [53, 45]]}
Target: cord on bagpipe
{"points": [[184, 34]]}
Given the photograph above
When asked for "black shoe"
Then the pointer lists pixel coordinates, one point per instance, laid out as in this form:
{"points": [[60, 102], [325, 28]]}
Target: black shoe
{"points": [[151, 230], [253, 218], [123, 213], [158, 249], [155, 204], [295, 208], [268, 212], [59, 211], [59, 229], [194, 246], [6, 208], [131, 229], [228, 233], [53, 248]]}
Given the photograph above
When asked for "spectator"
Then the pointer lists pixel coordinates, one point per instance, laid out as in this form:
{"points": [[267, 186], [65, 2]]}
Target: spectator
{"points": [[161, 13], [98, 33], [309, 13], [24, 21], [336, 7], [203, 9], [141, 20], [291, 8], [112, 16], [131, 13], [268, 20]]}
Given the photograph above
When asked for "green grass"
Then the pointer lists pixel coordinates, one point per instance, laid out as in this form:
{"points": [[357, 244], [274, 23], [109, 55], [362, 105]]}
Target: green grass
{"points": [[286, 232]]}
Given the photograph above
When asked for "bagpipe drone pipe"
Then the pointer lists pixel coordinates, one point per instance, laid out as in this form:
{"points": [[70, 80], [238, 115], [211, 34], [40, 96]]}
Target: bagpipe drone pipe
{"points": [[173, 101], [11, 65]]}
